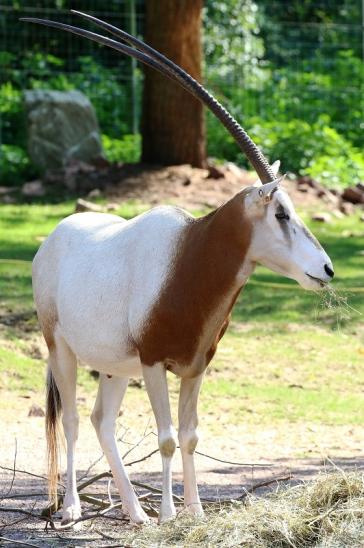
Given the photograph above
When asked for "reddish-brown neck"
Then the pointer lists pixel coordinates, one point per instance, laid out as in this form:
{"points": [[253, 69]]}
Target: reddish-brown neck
{"points": [[216, 245], [202, 283]]}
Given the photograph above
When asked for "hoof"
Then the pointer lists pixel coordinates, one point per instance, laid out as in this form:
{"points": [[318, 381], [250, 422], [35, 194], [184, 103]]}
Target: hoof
{"points": [[139, 517], [70, 515], [195, 509], [166, 516]]}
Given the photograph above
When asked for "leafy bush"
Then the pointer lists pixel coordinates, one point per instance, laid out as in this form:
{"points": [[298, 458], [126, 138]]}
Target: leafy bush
{"points": [[290, 102], [15, 165], [231, 41], [333, 87], [292, 125], [126, 149], [315, 149], [12, 115]]}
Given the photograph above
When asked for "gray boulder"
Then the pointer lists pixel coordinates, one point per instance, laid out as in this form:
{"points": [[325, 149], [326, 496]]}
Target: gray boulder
{"points": [[62, 126]]}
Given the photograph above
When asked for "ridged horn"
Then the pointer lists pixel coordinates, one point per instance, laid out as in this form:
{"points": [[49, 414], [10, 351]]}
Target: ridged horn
{"points": [[149, 56]]}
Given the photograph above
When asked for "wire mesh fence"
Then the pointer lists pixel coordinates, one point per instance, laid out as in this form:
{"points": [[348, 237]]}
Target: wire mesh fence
{"points": [[319, 54], [294, 51], [40, 57]]}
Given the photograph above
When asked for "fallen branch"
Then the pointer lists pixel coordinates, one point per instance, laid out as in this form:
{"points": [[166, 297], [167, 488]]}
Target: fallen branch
{"points": [[253, 464], [14, 472], [154, 489], [101, 508], [12, 523], [25, 512], [27, 473], [263, 484], [143, 458], [88, 482], [21, 542]]}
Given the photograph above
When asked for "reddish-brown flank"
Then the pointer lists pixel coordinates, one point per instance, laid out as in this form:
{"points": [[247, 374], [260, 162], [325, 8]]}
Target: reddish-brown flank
{"points": [[200, 291]]}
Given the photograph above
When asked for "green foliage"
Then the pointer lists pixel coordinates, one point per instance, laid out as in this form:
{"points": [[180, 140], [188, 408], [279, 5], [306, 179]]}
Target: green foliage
{"points": [[126, 149], [300, 28], [231, 41], [314, 149], [304, 76], [338, 171], [331, 86], [10, 99], [14, 165], [110, 99], [266, 61], [12, 115], [293, 128], [311, 149]]}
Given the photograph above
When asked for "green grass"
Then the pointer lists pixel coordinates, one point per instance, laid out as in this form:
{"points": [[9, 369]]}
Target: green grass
{"points": [[287, 355], [20, 373], [293, 373], [25, 375]]}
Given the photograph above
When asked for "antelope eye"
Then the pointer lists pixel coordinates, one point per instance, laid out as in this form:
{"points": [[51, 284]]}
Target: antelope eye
{"points": [[282, 216]]}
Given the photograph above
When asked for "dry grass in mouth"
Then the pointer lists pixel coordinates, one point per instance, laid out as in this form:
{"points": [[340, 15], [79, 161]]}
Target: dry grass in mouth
{"points": [[334, 302], [327, 512]]}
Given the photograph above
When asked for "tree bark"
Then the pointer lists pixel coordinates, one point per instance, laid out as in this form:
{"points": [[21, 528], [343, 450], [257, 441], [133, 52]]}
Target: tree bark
{"points": [[173, 129]]}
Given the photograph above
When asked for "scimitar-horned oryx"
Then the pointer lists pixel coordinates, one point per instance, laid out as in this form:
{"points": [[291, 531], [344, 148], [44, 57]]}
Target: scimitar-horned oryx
{"points": [[154, 294]]}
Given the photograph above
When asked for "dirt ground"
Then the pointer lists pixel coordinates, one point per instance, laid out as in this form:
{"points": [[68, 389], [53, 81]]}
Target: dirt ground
{"points": [[196, 189], [182, 185], [250, 455]]}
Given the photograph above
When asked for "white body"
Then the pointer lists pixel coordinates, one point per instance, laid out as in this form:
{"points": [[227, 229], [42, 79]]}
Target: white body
{"points": [[97, 280], [107, 273]]}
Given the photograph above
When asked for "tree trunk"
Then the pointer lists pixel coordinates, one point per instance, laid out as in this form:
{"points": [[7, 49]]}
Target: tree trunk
{"points": [[173, 129]]}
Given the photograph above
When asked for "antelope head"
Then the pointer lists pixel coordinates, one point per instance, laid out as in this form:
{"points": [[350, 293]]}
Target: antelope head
{"points": [[280, 240]]}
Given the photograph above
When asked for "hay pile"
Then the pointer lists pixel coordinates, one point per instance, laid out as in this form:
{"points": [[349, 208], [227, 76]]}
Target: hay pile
{"points": [[327, 512]]}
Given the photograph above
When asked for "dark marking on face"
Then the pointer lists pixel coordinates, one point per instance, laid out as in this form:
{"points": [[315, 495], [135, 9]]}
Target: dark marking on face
{"points": [[282, 218], [281, 213]]}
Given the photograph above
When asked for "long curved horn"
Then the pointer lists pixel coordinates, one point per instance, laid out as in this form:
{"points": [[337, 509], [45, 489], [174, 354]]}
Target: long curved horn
{"points": [[159, 62]]}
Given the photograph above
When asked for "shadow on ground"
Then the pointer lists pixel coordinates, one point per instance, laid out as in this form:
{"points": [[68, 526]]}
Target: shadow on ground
{"points": [[21, 491]]}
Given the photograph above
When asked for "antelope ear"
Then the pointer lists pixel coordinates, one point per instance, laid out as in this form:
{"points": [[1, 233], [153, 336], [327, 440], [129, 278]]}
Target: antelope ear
{"points": [[261, 195], [275, 167]]}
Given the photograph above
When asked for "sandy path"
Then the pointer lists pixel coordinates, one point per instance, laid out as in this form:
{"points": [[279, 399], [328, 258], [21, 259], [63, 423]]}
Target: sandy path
{"points": [[282, 447]]}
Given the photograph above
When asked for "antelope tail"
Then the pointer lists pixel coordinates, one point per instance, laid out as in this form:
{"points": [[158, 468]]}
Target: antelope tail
{"points": [[53, 410]]}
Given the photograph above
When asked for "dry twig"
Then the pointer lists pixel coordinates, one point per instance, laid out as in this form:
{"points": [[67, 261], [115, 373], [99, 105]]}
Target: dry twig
{"points": [[21, 542], [14, 471], [253, 464], [262, 484], [100, 508]]}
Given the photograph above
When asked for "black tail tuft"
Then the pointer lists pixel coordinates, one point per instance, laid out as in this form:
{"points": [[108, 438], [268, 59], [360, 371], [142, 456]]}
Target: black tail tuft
{"points": [[53, 410]]}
